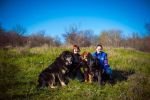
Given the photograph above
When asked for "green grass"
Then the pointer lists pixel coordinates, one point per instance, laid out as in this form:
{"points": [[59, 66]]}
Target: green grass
{"points": [[20, 67]]}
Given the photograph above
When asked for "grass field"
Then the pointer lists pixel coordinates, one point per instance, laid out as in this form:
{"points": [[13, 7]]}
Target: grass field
{"points": [[20, 67]]}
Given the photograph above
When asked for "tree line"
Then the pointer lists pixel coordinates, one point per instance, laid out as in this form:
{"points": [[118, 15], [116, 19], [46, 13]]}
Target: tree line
{"points": [[16, 37], [84, 38]]}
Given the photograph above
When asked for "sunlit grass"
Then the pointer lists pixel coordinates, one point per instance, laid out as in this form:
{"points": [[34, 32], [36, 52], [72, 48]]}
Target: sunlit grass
{"points": [[20, 67]]}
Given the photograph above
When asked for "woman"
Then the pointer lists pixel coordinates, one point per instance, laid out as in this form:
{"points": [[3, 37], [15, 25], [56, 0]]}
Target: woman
{"points": [[102, 57], [75, 71]]}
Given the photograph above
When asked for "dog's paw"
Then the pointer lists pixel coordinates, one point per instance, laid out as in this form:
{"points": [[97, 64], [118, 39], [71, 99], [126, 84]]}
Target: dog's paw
{"points": [[63, 84], [53, 87]]}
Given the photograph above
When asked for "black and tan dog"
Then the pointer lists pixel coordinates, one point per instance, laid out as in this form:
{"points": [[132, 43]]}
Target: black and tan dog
{"points": [[93, 70], [56, 71]]}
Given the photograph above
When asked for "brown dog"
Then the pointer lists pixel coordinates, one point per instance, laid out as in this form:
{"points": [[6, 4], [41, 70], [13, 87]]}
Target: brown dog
{"points": [[88, 75], [93, 71]]}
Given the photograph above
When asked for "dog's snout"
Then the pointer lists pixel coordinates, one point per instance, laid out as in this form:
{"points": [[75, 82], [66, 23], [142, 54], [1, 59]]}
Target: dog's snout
{"points": [[69, 60]]}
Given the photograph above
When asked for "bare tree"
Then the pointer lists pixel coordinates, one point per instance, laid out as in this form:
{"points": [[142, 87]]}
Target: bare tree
{"points": [[70, 35], [39, 39], [19, 29], [111, 38], [57, 41], [82, 38]]}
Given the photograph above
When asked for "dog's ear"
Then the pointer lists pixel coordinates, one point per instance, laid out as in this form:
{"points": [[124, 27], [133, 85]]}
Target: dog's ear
{"points": [[82, 55], [62, 55], [90, 55]]}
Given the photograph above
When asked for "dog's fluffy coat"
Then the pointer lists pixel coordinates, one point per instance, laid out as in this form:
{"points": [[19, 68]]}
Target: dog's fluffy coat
{"points": [[56, 71]]}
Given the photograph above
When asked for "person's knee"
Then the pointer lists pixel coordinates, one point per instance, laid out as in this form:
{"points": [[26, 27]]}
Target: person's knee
{"points": [[108, 71]]}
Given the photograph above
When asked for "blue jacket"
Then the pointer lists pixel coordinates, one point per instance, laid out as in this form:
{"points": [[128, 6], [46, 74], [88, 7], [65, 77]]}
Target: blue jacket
{"points": [[102, 57]]}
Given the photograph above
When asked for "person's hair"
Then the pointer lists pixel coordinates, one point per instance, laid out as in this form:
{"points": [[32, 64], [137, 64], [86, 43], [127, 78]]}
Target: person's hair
{"points": [[76, 47], [99, 45]]}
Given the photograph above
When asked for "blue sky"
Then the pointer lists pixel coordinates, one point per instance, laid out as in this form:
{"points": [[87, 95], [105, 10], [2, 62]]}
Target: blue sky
{"points": [[55, 16]]}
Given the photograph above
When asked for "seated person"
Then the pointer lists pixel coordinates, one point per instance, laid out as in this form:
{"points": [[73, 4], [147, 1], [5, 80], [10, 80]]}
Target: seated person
{"points": [[102, 57], [75, 71]]}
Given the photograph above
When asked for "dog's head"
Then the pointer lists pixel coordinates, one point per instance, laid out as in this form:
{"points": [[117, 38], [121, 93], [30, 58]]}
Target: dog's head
{"points": [[86, 56], [92, 62], [67, 57]]}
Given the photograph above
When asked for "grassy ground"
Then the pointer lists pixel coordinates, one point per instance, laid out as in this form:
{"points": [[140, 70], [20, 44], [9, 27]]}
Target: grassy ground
{"points": [[20, 67]]}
